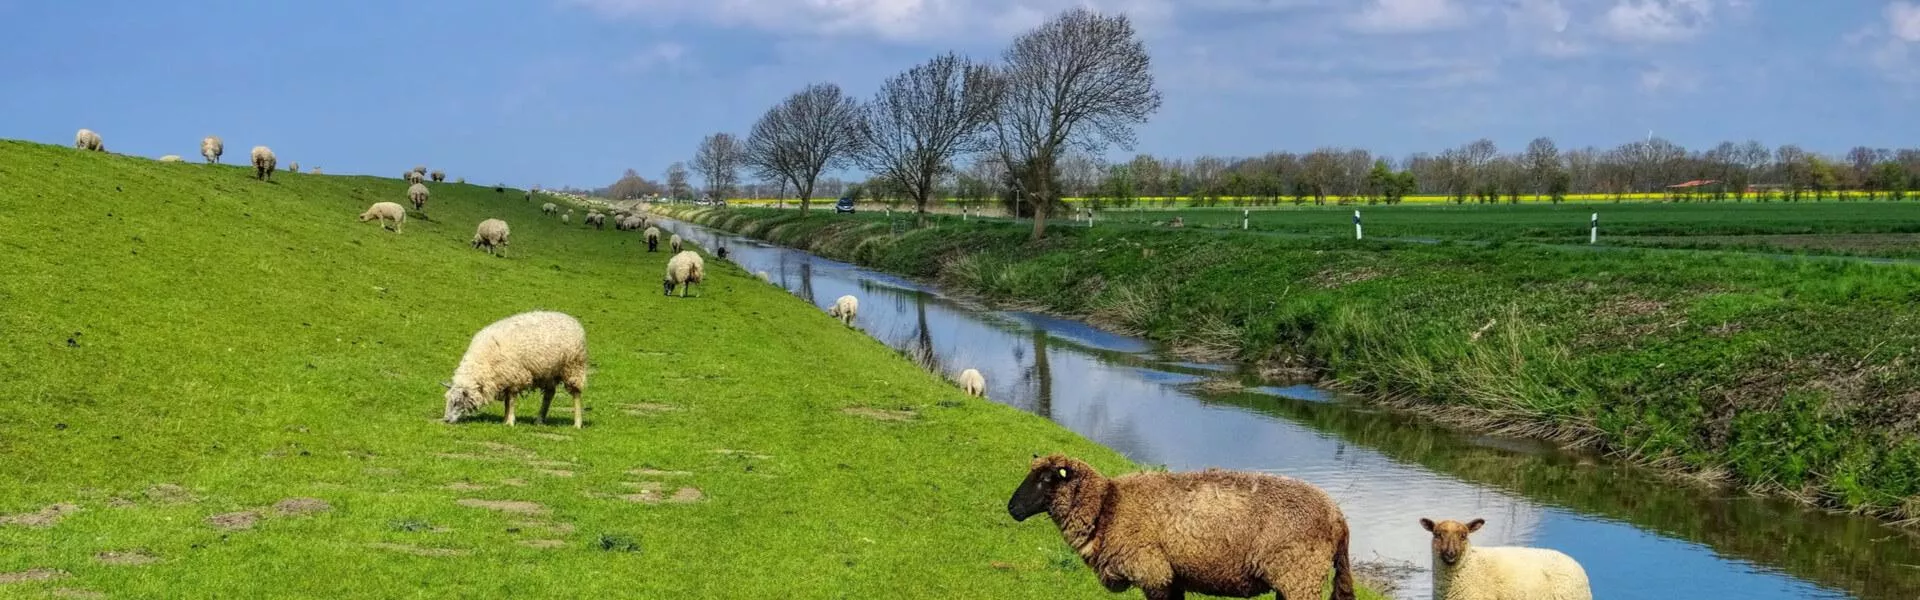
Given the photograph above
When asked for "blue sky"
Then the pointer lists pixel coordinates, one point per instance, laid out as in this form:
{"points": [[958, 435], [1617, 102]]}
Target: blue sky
{"points": [[575, 91]]}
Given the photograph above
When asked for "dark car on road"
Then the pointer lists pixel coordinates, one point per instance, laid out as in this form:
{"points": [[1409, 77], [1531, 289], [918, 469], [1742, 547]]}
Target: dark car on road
{"points": [[845, 205]]}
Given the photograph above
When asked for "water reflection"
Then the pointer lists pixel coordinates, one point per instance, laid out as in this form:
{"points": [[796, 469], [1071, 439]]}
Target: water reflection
{"points": [[1637, 537]]}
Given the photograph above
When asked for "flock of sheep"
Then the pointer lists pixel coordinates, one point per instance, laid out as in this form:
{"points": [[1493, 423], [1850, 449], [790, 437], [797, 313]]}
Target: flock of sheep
{"points": [[1217, 532], [211, 147]]}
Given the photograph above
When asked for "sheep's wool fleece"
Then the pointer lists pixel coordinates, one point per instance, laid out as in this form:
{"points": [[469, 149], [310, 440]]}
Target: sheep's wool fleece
{"points": [[517, 352], [685, 266], [1511, 573]]}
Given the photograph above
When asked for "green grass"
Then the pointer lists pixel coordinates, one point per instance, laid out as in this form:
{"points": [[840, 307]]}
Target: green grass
{"points": [[184, 325], [1791, 376]]}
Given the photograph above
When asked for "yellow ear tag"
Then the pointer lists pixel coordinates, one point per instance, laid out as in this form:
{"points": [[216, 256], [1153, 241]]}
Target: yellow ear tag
{"points": [[1063, 473]]}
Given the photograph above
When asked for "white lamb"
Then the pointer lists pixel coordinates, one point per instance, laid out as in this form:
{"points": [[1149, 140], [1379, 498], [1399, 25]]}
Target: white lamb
{"points": [[1463, 572], [529, 350], [263, 162], [386, 211], [973, 382], [211, 148], [684, 268], [844, 309]]}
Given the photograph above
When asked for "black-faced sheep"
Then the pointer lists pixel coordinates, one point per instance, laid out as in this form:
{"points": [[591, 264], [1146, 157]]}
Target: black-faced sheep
{"points": [[1464, 572], [674, 244], [653, 238], [211, 148], [420, 170], [386, 211], [491, 234], [1221, 533], [439, 176], [412, 177], [263, 162], [86, 139], [973, 382], [293, 167], [844, 309], [685, 268], [549, 208], [722, 253], [597, 220], [530, 350], [417, 194]]}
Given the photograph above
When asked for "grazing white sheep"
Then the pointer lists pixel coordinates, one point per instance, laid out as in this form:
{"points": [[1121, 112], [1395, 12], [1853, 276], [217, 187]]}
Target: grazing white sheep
{"points": [[86, 139], [421, 170], [439, 176], [973, 382], [674, 244], [549, 208], [1464, 572], [315, 171], [529, 350], [492, 233], [417, 193], [293, 167], [170, 158], [567, 218], [844, 309], [685, 268], [597, 220], [263, 162], [413, 177], [653, 238], [386, 211], [211, 148], [763, 276]]}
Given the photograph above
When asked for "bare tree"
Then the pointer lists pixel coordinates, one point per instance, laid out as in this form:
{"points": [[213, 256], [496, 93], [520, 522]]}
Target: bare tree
{"points": [[677, 187], [811, 131], [1542, 163], [922, 119], [718, 162], [1082, 79]]}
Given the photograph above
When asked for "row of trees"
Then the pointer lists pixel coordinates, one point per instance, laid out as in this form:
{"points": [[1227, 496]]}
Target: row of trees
{"points": [[1075, 84]]}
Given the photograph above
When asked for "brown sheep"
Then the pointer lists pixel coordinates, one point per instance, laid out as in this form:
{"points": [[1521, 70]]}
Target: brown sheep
{"points": [[1215, 532]]}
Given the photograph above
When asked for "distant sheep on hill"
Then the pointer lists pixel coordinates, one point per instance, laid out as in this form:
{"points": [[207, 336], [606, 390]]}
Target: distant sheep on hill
{"points": [[973, 382], [491, 234], [652, 235], [549, 208], [263, 162], [170, 158], [674, 243], [293, 166], [211, 148], [439, 176], [421, 170], [412, 177], [685, 268], [86, 139], [597, 220], [533, 350], [763, 276], [417, 193], [386, 211], [315, 171], [844, 309]]}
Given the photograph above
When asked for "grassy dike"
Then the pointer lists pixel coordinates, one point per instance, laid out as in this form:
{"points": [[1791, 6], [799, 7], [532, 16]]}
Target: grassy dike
{"points": [[1796, 377], [189, 352]]}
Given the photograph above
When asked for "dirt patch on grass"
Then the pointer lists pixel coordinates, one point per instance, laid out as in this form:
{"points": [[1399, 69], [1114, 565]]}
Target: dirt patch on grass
{"points": [[463, 486], [417, 550], [687, 494], [745, 453], [556, 472], [77, 594], [512, 506], [543, 544], [645, 486], [658, 473], [43, 518], [506, 449], [32, 575], [645, 497], [167, 493], [880, 414], [552, 436], [514, 481], [301, 506], [234, 521], [462, 456], [548, 526], [642, 409], [551, 464], [1337, 277], [126, 558]]}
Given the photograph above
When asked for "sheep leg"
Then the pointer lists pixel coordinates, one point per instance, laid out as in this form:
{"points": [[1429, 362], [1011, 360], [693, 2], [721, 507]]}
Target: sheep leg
{"points": [[573, 388], [510, 410], [546, 401]]}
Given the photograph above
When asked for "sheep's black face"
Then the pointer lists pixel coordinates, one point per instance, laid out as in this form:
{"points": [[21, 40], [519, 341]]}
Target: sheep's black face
{"points": [[1035, 494], [668, 284]]}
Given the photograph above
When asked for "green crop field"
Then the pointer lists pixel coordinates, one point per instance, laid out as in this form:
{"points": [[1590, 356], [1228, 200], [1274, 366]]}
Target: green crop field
{"points": [[221, 387]]}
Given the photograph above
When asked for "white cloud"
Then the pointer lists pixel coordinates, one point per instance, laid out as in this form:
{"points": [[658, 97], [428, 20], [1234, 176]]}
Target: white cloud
{"points": [[1903, 21], [1409, 16], [1660, 20], [893, 20], [1891, 47]]}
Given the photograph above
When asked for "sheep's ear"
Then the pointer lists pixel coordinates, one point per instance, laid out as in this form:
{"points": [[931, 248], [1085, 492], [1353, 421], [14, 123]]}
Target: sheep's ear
{"points": [[1475, 524], [1426, 524]]}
